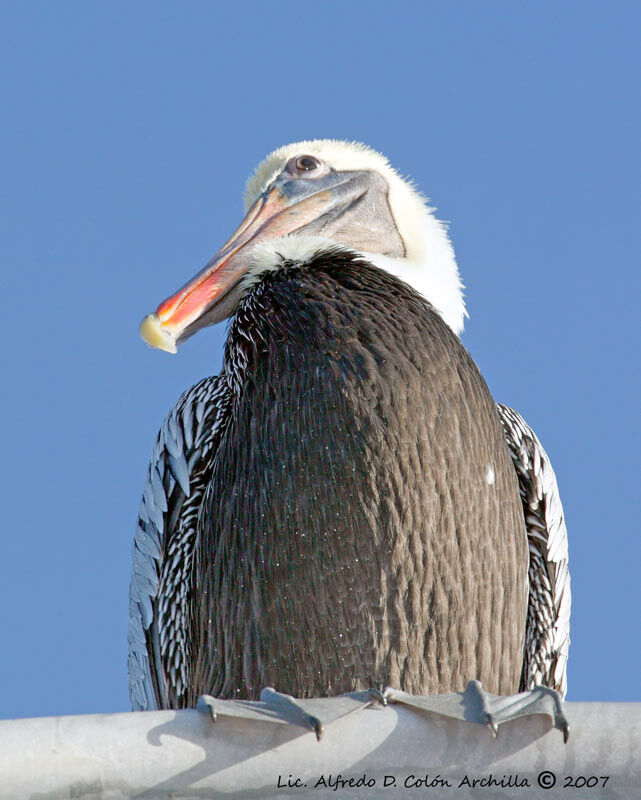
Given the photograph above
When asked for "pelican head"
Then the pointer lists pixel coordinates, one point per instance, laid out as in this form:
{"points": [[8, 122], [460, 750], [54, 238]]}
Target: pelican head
{"points": [[304, 198]]}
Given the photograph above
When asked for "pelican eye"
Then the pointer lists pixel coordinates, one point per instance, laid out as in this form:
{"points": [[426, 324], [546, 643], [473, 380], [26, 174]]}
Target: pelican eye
{"points": [[307, 163], [306, 167]]}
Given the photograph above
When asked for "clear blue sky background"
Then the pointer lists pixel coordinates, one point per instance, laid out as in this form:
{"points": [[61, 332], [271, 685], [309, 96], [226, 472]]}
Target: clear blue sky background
{"points": [[127, 132]]}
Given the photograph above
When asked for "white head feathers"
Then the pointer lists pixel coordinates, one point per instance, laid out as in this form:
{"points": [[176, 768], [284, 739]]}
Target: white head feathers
{"points": [[429, 265]]}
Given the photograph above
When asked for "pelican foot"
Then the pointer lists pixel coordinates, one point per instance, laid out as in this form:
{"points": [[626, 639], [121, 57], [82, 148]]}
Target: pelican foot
{"points": [[315, 713], [312, 714], [477, 705]]}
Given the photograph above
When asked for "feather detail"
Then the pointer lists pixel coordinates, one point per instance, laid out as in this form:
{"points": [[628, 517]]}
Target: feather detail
{"points": [[163, 546], [547, 637]]}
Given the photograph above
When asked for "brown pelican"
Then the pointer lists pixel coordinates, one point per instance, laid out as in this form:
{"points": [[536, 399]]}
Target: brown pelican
{"points": [[344, 506]]}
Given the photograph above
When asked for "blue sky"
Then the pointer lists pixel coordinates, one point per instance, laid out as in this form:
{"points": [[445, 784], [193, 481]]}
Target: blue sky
{"points": [[128, 131]]}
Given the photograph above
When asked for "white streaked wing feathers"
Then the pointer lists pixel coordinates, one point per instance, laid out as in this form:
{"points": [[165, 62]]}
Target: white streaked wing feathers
{"points": [[547, 637], [164, 539]]}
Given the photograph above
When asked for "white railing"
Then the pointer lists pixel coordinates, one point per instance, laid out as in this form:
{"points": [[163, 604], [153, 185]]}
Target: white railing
{"points": [[391, 752]]}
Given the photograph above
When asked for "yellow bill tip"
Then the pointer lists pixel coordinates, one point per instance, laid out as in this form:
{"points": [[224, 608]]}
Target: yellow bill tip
{"points": [[152, 332]]}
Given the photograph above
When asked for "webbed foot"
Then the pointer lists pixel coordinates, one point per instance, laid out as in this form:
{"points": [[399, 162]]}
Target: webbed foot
{"points": [[312, 714], [477, 705]]}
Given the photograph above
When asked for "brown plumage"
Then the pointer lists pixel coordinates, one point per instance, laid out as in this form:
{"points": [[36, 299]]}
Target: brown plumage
{"points": [[343, 506], [349, 535]]}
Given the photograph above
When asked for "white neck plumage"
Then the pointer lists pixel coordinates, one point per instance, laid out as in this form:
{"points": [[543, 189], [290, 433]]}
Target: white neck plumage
{"points": [[435, 276]]}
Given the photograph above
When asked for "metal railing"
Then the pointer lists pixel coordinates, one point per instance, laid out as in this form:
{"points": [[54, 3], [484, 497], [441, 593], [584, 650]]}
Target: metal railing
{"points": [[374, 752]]}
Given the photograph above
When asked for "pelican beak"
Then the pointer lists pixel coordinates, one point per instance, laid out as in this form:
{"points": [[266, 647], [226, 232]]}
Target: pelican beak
{"points": [[214, 292]]}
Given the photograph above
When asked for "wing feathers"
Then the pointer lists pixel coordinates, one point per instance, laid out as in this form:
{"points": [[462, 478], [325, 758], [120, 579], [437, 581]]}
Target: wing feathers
{"points": [[163, 544], [548, 624]]}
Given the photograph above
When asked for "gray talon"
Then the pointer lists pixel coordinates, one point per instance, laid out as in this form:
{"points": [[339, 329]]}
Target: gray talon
{"points": [[317, 726], [492, 725], [207, 705], [376, 694], [476, 690], [292, 710], [561, 722]]}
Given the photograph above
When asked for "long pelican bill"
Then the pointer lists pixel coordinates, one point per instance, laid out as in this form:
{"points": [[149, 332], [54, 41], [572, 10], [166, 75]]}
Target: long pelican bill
{"points": [[201, 301]]}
